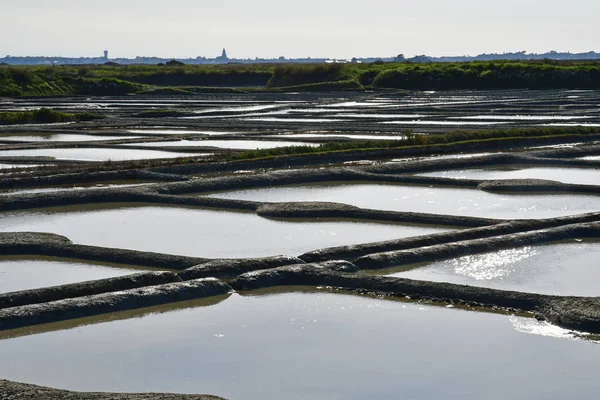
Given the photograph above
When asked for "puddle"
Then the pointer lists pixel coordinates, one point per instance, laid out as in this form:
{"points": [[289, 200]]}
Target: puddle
{"points": [[311, 346], [91, 154], [451, 201], [63, 138], [32, 274], [566, 175], [568, 269], [199, 232], [225, 144]]}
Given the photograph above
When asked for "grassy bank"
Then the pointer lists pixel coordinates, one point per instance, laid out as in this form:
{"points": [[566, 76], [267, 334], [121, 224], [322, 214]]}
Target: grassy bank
{"points": [[455, 142], [188, 79], [42, 116], [483, 137]]}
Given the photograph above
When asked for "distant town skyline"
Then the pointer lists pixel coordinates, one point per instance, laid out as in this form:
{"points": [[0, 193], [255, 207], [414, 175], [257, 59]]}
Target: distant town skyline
{"points": [[296, 29]]}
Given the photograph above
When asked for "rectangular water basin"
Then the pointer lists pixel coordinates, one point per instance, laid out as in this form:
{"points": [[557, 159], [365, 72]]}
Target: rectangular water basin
{"points": [[92, 154], [225, 144], [568, 269], [62, 138], [342, 135], [104, 185], [567, 175], [311, 346], [180, 132], [438, 200], [199, 232], [23, 274]]}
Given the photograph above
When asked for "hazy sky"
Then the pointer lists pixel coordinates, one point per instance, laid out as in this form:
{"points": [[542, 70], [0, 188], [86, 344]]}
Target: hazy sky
{"points": [[291, 28]]}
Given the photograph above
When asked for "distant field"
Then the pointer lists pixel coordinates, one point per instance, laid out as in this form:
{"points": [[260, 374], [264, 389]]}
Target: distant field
{"points": [[111, 80]]}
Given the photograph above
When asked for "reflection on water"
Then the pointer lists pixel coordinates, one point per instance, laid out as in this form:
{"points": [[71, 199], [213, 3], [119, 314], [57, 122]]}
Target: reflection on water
{"points": [[541, 328], [491, 266], [32, 274], [309, 346], [451, 201], [562, 269], [202, 233], [567, 175]]}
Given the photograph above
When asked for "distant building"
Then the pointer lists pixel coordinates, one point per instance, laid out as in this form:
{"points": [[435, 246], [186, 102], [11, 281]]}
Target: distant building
{"points": [[106, 55], [223, 57]]}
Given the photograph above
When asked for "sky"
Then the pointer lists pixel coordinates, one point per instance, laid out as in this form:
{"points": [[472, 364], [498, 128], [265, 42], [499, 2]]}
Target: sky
{"points": [[291, 28]]}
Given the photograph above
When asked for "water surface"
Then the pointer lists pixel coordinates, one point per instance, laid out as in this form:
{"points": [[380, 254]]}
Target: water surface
{"points": [[342, 135], [91, 154], [568, 269], [63, 138], [567, 175], [180, 132], [198, 232], [313, 346], [590, 158], [104, 185], [522, 117], [11, 166], [32, 274], [226, 144], [438, 200]]}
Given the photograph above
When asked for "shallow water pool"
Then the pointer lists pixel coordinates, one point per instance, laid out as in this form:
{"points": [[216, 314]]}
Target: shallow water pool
{"points": [[198, 232], [569, 269], [91, 154], [451, 201], [225, 144], [566, 175], [32, 274], [63, 138], [312, 346]]}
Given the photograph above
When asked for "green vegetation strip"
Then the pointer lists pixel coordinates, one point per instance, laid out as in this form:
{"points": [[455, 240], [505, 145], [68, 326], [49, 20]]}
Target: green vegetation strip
{"points": [[455, 137], [42, 116], [187, 79]]}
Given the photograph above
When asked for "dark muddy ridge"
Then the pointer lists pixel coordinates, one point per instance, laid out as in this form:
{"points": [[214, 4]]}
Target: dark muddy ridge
{"points": [[234, 116]]}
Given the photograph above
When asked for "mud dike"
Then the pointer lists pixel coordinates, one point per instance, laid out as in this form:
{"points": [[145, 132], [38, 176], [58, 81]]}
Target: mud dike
{"points": [[315, 190]]}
